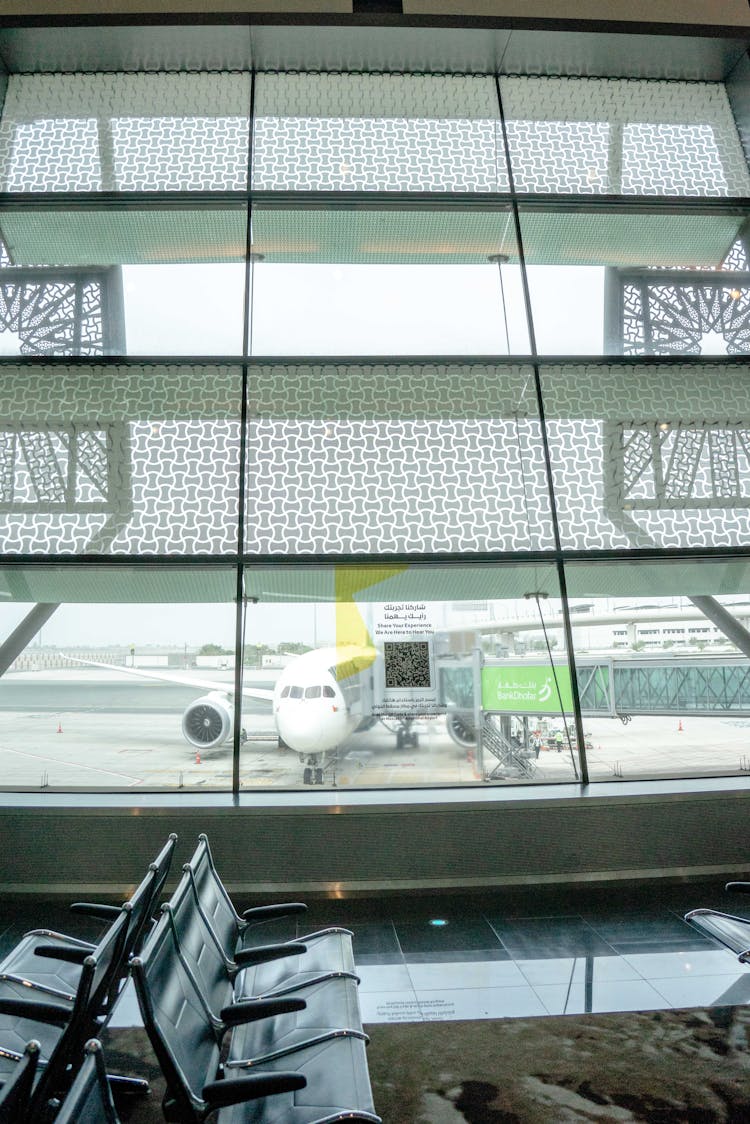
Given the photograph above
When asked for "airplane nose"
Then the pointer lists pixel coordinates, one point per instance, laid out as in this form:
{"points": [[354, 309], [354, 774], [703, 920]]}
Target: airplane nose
{"points": [[310, 729]]}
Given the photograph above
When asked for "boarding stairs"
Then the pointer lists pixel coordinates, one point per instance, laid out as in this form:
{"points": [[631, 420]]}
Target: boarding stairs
{"points": [[511, 759]]}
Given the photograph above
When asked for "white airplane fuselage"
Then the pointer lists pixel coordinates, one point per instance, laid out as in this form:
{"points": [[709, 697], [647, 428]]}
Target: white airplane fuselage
{"points": [[317, 700]]}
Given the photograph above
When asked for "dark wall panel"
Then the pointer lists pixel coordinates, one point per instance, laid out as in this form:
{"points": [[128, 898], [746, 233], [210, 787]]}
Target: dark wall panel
{"points": [[378, 848]]}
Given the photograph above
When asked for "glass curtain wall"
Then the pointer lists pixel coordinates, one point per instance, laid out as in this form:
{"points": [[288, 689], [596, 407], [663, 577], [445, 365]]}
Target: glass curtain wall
{"points": [[372, 430]]}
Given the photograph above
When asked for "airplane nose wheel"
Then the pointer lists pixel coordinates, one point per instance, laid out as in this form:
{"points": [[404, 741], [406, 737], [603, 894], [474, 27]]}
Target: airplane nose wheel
{"points": [[406, 738], [312, 773]]}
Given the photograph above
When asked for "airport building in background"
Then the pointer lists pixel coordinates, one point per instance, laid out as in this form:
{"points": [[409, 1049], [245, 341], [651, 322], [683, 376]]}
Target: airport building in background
{"points": [[430, 320]]}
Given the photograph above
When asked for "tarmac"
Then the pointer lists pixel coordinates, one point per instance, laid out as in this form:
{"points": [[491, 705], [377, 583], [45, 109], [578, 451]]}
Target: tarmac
{"points": [[90, 728]]}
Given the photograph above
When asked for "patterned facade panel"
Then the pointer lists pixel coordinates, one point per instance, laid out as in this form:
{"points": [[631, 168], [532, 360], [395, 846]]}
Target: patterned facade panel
{"points": [[675, 313], [48, 312], [622, 136], [129, 132], [650, 455], [377, 132], [126, 460], [369, 459]]}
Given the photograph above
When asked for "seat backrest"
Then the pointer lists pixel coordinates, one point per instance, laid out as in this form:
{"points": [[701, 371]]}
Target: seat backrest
{"points": [[177, 1022], [213, 899], [140, 908], [85, 1016], [16, 1092], [151, 893], [198, 947], [89, 1099]]}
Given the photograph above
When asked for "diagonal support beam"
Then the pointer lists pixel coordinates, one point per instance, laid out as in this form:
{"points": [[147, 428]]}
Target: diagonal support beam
{"points": [[24, 633], [724, 621]]}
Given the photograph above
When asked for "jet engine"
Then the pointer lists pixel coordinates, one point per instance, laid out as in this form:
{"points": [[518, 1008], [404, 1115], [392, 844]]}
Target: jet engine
{"points": [[207, 721], [460, 726]]}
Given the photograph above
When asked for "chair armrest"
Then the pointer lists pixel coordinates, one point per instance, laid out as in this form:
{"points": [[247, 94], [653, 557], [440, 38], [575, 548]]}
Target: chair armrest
{"points": [[49, 1013], [263, 953], [235, 1090], [738, 887], [269, 912], [251, 1010], [68, 941], [96, 909], [70, 954]]}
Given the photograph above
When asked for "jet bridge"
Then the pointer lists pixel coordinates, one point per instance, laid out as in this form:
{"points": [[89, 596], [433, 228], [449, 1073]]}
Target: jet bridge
{"points": [[500, 697]]}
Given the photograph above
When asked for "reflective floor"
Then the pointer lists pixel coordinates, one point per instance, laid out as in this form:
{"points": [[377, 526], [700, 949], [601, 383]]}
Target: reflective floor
{"points": [[505, 955]]}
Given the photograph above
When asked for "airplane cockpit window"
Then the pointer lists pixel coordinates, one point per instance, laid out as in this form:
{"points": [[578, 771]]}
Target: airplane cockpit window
{"points": [[295, 693], [329, 693], [312, 692], [285, 692]]}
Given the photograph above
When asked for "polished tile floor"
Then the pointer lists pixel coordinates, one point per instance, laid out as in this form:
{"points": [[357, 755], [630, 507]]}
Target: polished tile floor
{"points": [[505, 955]]}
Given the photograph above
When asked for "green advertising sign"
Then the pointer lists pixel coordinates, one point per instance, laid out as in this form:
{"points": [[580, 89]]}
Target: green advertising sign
{"points": [[526, 689]]}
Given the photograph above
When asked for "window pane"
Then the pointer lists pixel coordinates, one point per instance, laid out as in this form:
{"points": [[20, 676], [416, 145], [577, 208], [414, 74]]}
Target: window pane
{"points": [[146, 281], [665, 688], [394, 458], [622, 137], [412, 660], [649, 454], [630, 280], [114, 676], [377, 132], [140, 460], [398, 282], [125, 132]]}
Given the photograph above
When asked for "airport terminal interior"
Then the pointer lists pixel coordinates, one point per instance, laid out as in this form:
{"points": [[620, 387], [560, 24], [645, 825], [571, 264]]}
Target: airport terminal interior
{"points": [[375, 483]]}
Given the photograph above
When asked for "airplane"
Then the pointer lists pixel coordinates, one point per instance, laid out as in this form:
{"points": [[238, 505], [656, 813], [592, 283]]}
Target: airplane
{"points": [[324, 695], [317, 701]]}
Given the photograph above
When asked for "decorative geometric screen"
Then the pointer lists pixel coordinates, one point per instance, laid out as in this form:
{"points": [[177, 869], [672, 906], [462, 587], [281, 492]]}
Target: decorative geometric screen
{"points": [[125, 132], [677, 465], [137, 459], [55, 312], [68, 468], [662, 312], [667, 315], [395, 458], [650, 455], [377, 132], [622, 136]]}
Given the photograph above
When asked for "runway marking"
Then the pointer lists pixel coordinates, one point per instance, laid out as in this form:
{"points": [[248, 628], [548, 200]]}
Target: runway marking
{"points": [[74, 765]]}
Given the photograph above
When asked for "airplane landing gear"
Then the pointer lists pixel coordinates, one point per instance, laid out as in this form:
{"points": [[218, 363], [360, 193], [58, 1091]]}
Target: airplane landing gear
{"points": [[314, 770], [406, 738]]}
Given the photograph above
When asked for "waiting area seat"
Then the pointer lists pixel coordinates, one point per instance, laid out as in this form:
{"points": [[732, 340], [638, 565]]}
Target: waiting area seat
{"points": [[48, 963], [731, 931], [15, 1094], [60, 1029], [331, 1001], [246, 1031], [237, 935], [319, 1082], [89, 1099]]}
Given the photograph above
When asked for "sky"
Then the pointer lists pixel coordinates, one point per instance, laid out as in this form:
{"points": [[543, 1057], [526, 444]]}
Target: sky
{"points": [[362, 310]]}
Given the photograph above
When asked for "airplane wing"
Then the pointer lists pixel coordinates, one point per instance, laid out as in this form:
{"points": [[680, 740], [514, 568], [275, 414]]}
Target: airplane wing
{"points": [[182, 681]]}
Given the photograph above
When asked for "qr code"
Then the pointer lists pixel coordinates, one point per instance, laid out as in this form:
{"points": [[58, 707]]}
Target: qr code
{"points": [[407, 664]]}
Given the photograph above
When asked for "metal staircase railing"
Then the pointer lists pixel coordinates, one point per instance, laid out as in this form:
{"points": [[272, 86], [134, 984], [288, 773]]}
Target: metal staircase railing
{"points": [[510, 758]]}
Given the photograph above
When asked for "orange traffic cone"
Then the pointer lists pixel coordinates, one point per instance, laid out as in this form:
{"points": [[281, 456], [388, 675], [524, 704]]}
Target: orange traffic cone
{"points": [[197, 758], [679, 727], [59, 727]]}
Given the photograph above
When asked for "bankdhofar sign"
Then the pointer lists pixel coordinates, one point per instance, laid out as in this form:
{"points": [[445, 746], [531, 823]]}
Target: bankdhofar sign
{"points": [[526, 689]]}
